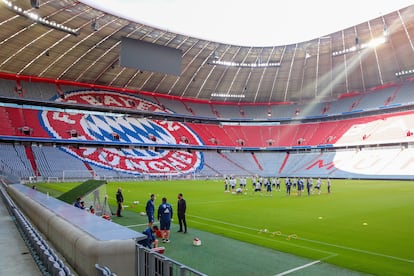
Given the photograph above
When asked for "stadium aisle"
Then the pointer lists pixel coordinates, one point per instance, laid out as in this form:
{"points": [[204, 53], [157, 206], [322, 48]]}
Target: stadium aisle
{"points": [[16, 260]]}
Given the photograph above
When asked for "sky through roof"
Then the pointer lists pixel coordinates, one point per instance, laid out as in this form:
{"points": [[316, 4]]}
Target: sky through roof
{"points": [[250, 23]]}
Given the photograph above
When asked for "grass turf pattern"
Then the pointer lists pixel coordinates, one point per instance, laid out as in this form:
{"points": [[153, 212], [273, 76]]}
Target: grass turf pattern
{"points": [[82, 189], [363, 225]]}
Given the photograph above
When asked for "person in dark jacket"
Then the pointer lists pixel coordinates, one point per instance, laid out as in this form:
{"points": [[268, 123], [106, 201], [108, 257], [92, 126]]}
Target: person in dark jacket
{"points": [[150, 241], [79, 203], [150, 210], [165, 214], [181, 209], [120, 201]]}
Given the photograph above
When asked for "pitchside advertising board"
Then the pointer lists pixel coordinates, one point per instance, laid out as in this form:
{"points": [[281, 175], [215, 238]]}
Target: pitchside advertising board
{"points": [[96, 126]]}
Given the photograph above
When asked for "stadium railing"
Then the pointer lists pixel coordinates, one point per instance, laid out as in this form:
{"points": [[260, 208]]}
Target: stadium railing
{"points": [[153, 263]]}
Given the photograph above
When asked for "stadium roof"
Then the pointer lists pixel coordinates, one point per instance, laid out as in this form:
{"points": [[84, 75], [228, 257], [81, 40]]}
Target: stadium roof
{"points": [[373, 53]]}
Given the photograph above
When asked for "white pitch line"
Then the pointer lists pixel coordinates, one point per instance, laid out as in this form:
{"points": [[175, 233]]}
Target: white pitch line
{"points": [[221, 201], [297, 268], [359, 250], [330, 254], [225, 223], [323, 243]]}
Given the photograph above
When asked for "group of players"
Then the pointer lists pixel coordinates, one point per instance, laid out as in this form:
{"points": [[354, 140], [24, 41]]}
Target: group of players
{"points": [[268, 184]]}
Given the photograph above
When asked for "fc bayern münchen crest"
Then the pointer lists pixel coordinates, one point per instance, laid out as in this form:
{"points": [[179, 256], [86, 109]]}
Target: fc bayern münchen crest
{"points": [[109, 128]]}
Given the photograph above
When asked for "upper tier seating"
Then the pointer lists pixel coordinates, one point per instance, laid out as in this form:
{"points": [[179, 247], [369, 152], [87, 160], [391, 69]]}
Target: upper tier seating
{"points": [[8, 89], [173, 105], [387, 95], [29, 90], [229, 111], [405, 94], [200, 109], [378, 98]]}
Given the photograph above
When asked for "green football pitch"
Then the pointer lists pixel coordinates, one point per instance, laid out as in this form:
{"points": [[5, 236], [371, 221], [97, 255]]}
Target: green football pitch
{"points": [[365, 226]]}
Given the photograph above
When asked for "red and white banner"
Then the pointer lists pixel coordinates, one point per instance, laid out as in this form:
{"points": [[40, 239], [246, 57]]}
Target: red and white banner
{"points": [[110, 127]]}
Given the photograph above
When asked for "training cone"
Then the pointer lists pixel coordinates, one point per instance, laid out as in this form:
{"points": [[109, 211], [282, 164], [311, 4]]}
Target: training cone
{"points": [[196, 242]]}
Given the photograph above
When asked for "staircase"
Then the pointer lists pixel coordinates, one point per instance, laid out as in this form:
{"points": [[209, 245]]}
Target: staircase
{"points": [[31, 158]]}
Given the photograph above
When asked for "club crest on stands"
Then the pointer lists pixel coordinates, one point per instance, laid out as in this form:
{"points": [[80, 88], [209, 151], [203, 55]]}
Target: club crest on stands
{"points": [[123, 128]]}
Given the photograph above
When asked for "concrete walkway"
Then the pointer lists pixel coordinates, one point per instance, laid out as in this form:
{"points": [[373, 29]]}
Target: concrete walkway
{"points": [[15, 258]]}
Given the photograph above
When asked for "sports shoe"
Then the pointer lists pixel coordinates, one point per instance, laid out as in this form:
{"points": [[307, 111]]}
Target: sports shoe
{"points": [[180, 231], [167, 240], [163, 240]]}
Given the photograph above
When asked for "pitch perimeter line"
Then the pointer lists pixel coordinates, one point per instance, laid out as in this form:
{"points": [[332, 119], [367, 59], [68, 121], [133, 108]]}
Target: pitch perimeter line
{"points": [[297, 268], [322, 243], [330, 254]]}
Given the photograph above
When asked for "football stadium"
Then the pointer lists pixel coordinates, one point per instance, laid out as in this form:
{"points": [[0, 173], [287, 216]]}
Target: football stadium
{"points": [[289, 159]]}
